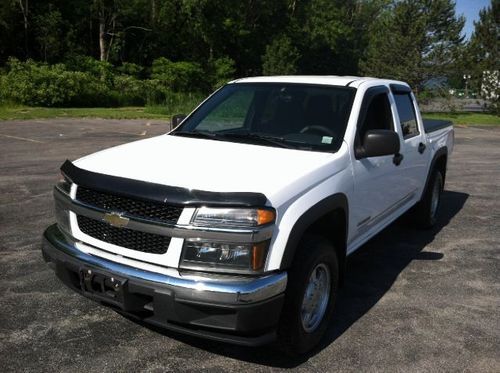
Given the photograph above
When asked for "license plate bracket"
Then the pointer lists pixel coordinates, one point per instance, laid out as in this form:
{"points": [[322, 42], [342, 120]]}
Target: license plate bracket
{"points": [[102, 286]]}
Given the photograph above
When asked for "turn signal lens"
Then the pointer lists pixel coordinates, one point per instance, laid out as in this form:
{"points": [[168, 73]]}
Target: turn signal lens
{"points": [[259, 253], [265, 216]]}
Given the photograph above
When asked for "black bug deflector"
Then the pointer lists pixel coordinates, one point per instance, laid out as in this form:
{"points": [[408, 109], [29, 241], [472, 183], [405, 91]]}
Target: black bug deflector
{"points": [[157, 192]]}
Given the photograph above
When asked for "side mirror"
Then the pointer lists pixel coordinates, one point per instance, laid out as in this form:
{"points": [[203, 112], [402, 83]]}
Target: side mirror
{"points": [[177, 119], [378, 143]]}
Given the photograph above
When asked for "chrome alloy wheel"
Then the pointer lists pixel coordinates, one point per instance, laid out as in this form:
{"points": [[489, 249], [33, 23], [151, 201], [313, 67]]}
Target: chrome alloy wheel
{"points": [[436, 191], [316, 298]]}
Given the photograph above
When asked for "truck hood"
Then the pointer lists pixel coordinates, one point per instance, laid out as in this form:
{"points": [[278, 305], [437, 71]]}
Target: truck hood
{"points": [[216, 166]]}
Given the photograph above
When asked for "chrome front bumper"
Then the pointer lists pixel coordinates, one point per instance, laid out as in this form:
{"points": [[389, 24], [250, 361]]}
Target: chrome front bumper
{"points": [[210, 288], [239, 310]]}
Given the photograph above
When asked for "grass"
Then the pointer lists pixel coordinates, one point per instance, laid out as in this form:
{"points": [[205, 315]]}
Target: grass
{"points": [[175, 104], [25, 112], [165, 112], [468, 119]]}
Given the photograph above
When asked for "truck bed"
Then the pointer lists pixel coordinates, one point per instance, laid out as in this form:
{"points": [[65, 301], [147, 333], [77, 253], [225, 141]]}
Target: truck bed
{"points": [[431, 125]]}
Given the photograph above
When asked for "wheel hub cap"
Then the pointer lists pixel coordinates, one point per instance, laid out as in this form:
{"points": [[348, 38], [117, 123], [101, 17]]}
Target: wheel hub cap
{"points": [[316, 298]]}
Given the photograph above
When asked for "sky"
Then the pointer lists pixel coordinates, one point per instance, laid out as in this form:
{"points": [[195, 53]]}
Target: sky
{"points": [[470, 9]]}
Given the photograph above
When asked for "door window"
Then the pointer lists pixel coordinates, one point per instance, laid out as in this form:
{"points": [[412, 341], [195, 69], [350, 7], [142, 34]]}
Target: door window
{"points": [[378, 116], [406, 112]]}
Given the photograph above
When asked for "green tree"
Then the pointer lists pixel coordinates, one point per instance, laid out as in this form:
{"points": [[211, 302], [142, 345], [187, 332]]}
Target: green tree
{"points": [[414, 41], [484, 43], [12, 31], [207, 42], [48, 27], [330, 35], [223, 70], [281, 57], [325, 29], [482, 52]]}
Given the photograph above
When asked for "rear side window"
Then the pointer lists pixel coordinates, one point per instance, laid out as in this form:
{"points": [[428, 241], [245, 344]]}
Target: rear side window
{"points": [[406, 112]]}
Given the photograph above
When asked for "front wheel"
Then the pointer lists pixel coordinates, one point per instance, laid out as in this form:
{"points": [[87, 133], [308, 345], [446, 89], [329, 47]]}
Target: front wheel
{"points": [[310, 296]]}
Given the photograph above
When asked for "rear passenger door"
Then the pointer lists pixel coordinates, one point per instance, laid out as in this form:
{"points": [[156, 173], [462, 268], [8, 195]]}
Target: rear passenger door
{"points": [[413, 144]]}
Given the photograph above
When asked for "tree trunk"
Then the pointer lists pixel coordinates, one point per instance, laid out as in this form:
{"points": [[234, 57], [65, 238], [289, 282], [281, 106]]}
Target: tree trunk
{"points": [[24, 10], [91, 30], [110, 44], [102, 33], [153, 12]]}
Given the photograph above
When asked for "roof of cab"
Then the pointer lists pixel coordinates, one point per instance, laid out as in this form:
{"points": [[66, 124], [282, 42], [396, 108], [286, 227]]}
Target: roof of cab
{"points": [[352, 81]]}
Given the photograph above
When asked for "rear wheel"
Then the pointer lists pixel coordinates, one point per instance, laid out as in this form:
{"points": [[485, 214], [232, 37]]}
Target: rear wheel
{"points": [[427, 209], [310, 296]]}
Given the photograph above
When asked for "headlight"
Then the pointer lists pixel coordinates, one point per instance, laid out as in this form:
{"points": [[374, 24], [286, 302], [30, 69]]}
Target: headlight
{"points": [[224, 257], [233, 217]]}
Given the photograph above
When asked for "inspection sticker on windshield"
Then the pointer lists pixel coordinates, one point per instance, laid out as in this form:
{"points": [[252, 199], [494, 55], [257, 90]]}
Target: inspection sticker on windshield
{"points": [[326, 140]]}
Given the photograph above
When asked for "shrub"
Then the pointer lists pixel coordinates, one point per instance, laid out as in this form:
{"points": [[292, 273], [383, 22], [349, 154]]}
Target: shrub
{"points": [[130, 91], [223, 70], [111, 88], [178, 76], [176, 103], [490, 90], [84, 82], [86, 64], [39, 84], [93, 92], [130, 69], [155, 91]]}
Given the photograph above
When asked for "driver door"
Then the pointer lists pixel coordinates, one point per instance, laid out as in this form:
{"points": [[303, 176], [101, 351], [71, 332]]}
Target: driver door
{"points": [[377, 180]]}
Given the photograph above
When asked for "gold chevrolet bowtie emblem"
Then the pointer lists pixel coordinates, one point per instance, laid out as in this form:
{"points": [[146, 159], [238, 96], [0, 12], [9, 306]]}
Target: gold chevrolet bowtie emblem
{"points": [[115, 219]]}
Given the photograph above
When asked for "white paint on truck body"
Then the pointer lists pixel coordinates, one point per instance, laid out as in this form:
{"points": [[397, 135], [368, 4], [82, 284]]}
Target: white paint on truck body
{"points": [[292, 180]]}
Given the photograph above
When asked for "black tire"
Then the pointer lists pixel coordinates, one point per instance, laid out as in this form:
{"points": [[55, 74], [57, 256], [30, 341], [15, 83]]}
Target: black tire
{"points": [[314, 252], [426, 211]]}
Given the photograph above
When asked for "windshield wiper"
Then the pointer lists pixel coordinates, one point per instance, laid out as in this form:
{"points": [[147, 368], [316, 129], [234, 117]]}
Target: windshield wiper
{"points": [[225, 136], [278, 141], [196, 134]]}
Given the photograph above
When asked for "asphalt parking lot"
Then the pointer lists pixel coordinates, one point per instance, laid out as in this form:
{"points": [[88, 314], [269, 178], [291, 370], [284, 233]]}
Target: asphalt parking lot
{"points": [[412, 300]]}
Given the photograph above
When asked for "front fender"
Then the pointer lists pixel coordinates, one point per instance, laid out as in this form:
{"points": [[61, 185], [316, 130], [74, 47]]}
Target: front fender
{"points": [[334, 202], [295, 217]]}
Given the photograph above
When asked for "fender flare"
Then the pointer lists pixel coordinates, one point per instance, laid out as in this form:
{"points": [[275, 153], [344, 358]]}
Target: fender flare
{"points": [[439, 153], [313, 214]]}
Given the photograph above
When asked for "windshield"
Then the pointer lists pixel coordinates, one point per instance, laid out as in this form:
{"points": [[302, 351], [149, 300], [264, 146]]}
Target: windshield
{"points": [[308, 117]]}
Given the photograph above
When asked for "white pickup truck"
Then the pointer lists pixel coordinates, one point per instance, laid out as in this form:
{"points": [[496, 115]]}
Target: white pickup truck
{"points": [[236, 225]]}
